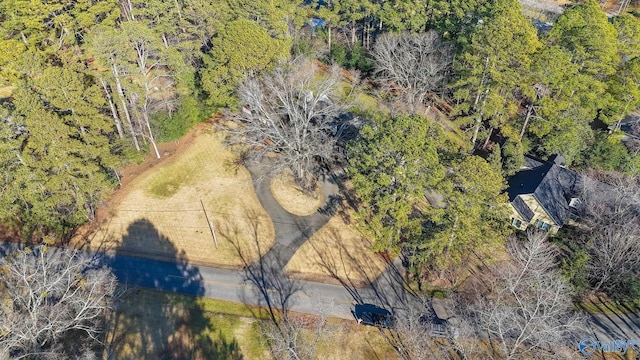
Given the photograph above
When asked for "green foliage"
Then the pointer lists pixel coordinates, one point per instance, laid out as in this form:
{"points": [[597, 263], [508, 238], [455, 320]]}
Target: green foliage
{"points": [[608, 153], [495, 159], [628, 29], [512, 158], [302, 47], [577, 74], [624, 92], [357, 58], [473, 220], [391, 167], [240, 48], [172, 126], [59, 154], [338, 54], [585, 31], [575, 269], [494, 70], [508, 160], [455, 19], [566, 103]]}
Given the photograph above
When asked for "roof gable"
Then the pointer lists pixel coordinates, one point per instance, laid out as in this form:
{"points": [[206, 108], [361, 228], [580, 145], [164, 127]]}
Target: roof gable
{"points": [[522, 208], [551, 185]]}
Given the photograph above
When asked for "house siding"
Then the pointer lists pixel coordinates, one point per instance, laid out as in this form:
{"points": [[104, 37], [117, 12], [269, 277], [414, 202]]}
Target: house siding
{"points": [[538, 211]]}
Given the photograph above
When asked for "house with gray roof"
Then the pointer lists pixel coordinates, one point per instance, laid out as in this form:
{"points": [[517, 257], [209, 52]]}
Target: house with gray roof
{"points": [[544, 195]]}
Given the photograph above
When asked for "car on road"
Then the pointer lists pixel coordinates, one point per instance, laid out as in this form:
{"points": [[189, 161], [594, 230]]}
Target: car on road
{"points": [[372, 315]]}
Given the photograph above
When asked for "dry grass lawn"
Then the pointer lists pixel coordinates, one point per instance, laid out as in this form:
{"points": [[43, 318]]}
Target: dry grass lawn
{"points": [[161, 214], [292, 198], [337, 251]]}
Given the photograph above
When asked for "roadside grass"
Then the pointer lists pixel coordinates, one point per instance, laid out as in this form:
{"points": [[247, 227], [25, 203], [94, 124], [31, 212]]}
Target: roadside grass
{"points": [[629, 355], [151, 324], [605, 306], [293, 198], [367, 102], [350, 340], [161, 213], [335, 253]]}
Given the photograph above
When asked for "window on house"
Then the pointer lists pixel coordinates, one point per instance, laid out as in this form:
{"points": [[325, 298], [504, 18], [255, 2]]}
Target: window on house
{"points": [[575, 202], [515, 222], [542, 225]]}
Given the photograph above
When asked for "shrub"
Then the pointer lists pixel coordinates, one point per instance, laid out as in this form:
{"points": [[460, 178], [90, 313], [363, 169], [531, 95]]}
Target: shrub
{"points": [[173, 126]]}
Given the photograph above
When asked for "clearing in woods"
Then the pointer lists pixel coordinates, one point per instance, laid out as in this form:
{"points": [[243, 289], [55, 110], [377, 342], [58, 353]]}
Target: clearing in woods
{"points": [[159, 214]]}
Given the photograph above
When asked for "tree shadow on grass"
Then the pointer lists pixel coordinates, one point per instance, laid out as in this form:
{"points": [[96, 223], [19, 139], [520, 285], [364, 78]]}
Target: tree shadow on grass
{"points": [[159, 316], [287, 334], [356, 275]]}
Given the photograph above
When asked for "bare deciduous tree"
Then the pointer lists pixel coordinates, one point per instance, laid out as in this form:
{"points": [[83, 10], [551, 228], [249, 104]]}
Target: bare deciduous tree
{"points": [[294, 337], [47, 295], [292, 113], [415, 64], [529, 310], [410, 335], [612, 214]]}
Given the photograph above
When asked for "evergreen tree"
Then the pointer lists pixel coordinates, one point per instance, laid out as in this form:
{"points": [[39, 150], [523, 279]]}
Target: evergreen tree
{"points": [[473, 219], [240, 48], [391, 167], [494, 71]]}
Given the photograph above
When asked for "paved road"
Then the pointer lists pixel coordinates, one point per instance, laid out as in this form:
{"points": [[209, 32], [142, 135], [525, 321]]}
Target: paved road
{"points": [[308, 297], [313, 298]]}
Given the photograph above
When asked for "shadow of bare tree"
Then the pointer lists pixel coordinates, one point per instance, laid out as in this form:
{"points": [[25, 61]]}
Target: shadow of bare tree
{"points": [[287, 335], [356, 275], [158, 324]]}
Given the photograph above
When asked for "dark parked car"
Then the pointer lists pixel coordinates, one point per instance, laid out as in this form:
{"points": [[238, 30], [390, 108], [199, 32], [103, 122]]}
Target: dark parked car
{"points": [[372, 315]]}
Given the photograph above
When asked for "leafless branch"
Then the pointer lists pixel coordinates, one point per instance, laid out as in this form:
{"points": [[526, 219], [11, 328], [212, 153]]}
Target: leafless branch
{"points": [[530, 309], [415, 64], [290, 113], [612, 213], [46, 294]]}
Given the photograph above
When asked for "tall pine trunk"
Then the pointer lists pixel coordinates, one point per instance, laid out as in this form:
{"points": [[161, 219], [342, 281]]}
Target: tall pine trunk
{"points": [[125, 109], [479, 118], [526, 122], [114, 113]]}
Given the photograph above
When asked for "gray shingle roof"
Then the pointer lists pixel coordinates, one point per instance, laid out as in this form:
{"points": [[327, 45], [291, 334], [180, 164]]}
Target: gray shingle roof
{"points": [[522, 208], [552, 185]]}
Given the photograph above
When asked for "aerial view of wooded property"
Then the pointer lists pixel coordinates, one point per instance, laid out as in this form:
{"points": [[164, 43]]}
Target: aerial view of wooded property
{"points": [[320, 179]]}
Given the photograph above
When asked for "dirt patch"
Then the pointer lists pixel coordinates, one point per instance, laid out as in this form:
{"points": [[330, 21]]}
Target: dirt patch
{"points": [[163, 210], [293, 198], [337, 252]]}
